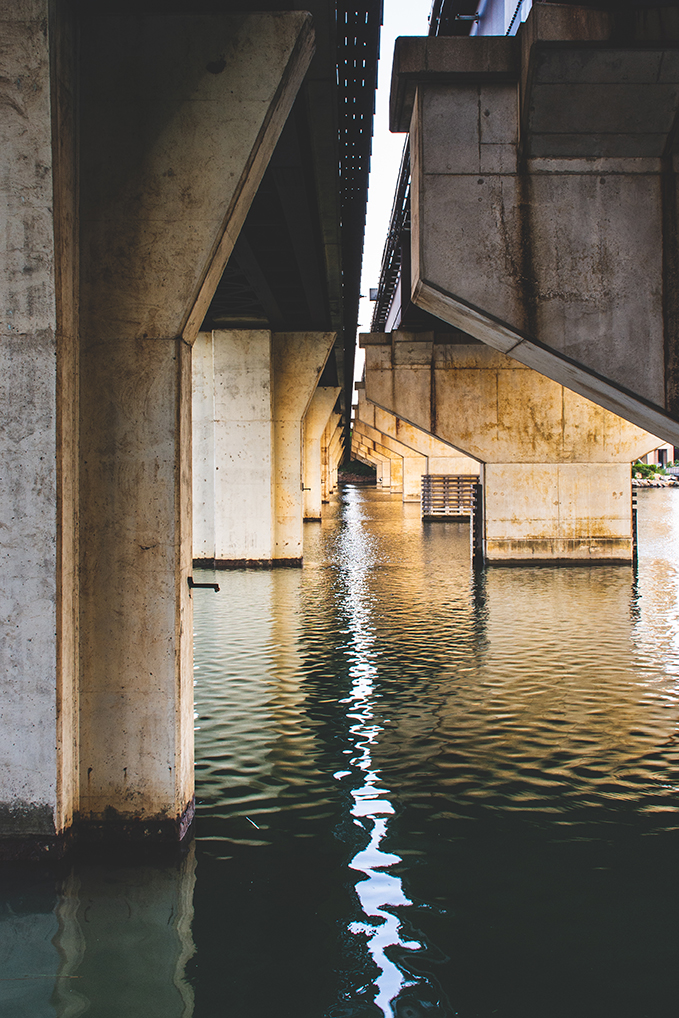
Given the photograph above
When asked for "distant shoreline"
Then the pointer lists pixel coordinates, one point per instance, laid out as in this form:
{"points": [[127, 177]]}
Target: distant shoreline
{"points": [[656, 482]]}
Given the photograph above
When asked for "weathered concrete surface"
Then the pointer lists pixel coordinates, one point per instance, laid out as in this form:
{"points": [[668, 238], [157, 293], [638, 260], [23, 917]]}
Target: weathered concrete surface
{"points": [[390, 461], [178, 118], [38, 365], [364, 453], [166, 97], [234, 449], [252, 389], [544, 198], [298, 362], [440, 458], [336, 452], [558, 512], [331, 451], [315, 422], [412, 465], [203, 447], [557, 479], [325, 456]]}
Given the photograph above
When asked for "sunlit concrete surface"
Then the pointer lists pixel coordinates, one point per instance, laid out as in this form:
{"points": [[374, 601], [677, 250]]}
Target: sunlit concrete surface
{"points": [[556, 477]]}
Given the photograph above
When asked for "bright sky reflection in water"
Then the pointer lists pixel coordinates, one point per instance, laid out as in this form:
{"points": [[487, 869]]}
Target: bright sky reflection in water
{"points": [[379, 892]]}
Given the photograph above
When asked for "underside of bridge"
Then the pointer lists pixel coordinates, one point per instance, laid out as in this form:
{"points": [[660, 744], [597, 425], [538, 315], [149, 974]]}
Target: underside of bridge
{"points": [[171, 171], [526, 312]]}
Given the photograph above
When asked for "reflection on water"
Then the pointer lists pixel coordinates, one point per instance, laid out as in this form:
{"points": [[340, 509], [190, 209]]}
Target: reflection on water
{"points": [[422, 792], [103, 938], [380, 893]]}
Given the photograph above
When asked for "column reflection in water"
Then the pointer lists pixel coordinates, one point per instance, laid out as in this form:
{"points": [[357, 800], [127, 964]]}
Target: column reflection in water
{"points": [[108, 939], [380, 893], [656, 630]]}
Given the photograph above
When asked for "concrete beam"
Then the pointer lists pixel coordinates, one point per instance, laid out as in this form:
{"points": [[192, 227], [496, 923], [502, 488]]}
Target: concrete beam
{"points": [[556, 148]]}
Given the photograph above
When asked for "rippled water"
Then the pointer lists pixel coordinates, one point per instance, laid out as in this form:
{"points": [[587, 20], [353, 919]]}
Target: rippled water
{"points": [[422, 791]]}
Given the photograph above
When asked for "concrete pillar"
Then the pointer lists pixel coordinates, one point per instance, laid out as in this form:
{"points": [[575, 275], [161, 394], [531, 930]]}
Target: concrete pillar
{"points": [[315, 423], [203, 438], [392, 476], [327, 484], [239, 515], [336, 452], [298, 360], [557, 481], [165, 185], [261, 384], [38, 430], [361, 452], [366, 455]]}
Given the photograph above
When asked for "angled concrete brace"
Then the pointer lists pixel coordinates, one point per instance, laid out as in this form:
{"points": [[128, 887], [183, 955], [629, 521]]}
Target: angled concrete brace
{"points": [[372, 439], [440, 458], [413, 465], [363, 450]]}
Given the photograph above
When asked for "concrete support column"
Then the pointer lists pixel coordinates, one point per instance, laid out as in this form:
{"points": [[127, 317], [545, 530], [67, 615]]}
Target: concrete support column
{"points": [[263, 384], [204, 447], [336, 451], [38, 430], [315, 423], [392, 477], [413, 465], [327, 485], [298, 362], [365, 454], [165, 183], [242, 457], [557, 512], [552, 237], [122, 210]]}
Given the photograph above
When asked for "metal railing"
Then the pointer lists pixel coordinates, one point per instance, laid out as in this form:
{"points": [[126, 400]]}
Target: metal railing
{"points": [[391, 257], [448, 495], [456, 496]]}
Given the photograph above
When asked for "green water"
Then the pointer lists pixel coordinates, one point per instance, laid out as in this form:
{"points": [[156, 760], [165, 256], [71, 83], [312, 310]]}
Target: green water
{"points": [[421, 792]]}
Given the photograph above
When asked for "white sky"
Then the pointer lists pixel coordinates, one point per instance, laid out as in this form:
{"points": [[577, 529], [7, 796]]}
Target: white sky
{"points": [[401, 17]]}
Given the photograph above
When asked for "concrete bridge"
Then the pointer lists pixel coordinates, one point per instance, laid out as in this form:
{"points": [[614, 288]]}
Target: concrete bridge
{"points": [[183, 188], [183, 194], [525, 313]]}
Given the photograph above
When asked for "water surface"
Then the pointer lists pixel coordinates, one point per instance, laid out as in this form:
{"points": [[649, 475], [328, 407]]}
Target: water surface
{"points": [[422, 791]]}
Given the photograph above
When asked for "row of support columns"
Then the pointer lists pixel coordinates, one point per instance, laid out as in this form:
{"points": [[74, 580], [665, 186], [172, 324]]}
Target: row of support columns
{"points": [[554, 467], [259, 420], [381, 437]]}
